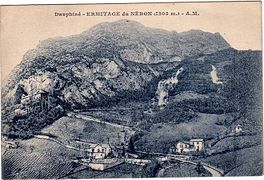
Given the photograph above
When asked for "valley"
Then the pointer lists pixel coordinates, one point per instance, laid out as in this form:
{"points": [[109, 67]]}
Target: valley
{"points": [[60, 141]]}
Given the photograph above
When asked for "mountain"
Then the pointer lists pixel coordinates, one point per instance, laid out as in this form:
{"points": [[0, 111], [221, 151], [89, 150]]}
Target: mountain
{"points": [[117, 62], [126, 40]]}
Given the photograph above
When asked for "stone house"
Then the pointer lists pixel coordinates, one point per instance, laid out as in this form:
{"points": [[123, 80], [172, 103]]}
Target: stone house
{"points": [[99, 151], [198, 144], [238, 129], [194, 145]]}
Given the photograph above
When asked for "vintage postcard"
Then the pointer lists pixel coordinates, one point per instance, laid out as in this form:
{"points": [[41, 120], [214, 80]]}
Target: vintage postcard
{"points": [[131, 90]]}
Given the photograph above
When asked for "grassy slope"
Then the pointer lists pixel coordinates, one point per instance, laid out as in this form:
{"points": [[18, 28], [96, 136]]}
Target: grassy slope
{"points": [[183, 170], [128, 113], [163, 135], [244, 162], [236, 142], [67, 129]]}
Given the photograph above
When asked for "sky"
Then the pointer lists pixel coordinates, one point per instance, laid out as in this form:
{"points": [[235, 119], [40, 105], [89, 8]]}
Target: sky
{"points": [[23, 27]]}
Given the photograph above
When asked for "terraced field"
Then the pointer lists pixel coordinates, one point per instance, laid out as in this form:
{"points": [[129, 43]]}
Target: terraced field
{"points": [[41, 158], [44, 159]]}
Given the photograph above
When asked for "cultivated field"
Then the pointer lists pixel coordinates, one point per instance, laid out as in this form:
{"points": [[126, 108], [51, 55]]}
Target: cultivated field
{"points": [[37, 158]]}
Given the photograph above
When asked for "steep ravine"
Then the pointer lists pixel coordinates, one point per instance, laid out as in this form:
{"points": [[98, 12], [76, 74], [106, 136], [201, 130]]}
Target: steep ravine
{"points": [[164, 86]]}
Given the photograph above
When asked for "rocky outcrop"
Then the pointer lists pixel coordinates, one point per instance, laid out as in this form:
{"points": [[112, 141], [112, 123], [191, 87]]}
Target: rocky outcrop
{"points": [[125, 40], [165, 86], [113, 62], [214, 76]]}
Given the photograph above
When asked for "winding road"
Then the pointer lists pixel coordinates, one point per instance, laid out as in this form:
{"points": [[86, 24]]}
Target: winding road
{"points": [[216, 172], [212, 170], [59, 142], [91, 118]]}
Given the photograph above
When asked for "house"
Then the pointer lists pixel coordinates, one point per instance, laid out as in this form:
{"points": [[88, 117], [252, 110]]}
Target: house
{"points": [[194, 145], [99, 151], [238, 129], [25, 99], [184, 147], [20, 112], [198, 144]]}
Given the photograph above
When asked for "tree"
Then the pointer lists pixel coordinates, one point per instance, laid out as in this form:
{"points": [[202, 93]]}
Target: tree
{"points": [[151, 169], [123, 151], [199, 168], [19, 92], [131, 146]]}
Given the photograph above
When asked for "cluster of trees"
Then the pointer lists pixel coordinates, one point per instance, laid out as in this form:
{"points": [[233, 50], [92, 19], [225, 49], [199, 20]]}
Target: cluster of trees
{"points": [[151, 169], [25, 127], [211, 105], [171, 114]]}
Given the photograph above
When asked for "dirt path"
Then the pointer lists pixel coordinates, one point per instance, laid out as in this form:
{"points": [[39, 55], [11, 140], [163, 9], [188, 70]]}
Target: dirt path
{"points": [[132, 130], [90, 118], [213, 171], [45, 137]]}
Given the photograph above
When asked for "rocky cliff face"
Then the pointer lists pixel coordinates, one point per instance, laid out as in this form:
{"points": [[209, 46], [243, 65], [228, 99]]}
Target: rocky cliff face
{"points": [[115, 62], [101, 61], [164, 86]]}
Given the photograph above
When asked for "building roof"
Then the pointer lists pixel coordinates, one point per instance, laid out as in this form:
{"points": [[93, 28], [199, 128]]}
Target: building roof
{"points": [[195, 140], [93, 145], [102, 145], [185, 142]]}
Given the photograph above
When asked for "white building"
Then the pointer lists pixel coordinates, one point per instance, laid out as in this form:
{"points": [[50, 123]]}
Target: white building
{"points": [[184, 147], [20, 112], [238, 129], [194, 145], [198, 144], [25, 99], [99, 151]]}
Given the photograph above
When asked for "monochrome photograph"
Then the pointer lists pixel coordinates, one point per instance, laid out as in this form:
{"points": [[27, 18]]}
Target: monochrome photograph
{"points": [[137, 90]]}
